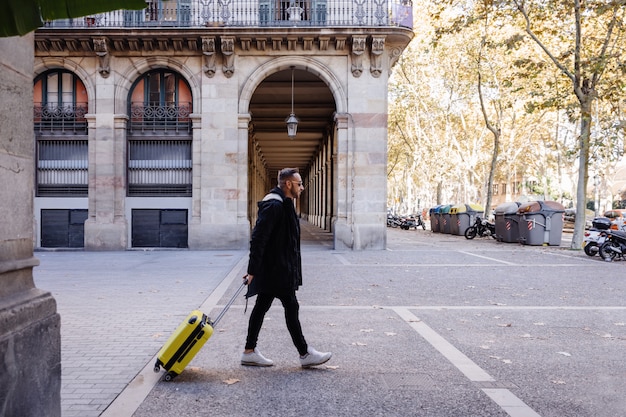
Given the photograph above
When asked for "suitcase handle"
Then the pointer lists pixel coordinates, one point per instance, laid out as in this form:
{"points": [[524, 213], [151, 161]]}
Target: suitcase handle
{"points": [[228, 304]]}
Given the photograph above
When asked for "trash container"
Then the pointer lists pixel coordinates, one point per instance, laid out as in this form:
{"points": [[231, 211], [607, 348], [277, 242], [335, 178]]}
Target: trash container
{"points": [[463, 216], [434, 219], [507, 222], [444, 226], [541, 223]]}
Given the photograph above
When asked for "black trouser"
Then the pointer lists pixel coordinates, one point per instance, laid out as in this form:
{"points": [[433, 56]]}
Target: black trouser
{"points": [[292, 308]]}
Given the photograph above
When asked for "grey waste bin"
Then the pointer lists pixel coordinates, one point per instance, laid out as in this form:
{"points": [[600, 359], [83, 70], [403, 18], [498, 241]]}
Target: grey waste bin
{"points": [[507, 222], [541, 223], [434, 219], [463, 216]]}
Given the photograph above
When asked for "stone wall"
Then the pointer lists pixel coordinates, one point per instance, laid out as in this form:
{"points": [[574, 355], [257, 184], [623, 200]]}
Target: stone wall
{"points": [[30, 339]]}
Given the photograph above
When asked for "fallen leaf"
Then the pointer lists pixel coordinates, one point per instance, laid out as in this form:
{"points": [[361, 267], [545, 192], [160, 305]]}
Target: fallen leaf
{"points": [[505, 325], [620, 324], [485, 347], [558, 382], [526, 336], [231, 381], [367, 330], [332, 367], [507, 361], [564, 353], [359, 344], [157, 335], [390, 333], [608, 336], [539, 324]]}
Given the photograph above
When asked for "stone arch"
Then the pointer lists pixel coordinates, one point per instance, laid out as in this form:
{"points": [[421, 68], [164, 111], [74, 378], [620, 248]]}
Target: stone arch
{"points": [[50, 63], [285, 63], [140, 67]]}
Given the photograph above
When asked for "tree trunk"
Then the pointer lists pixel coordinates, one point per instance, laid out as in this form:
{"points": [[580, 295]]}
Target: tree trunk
{"points": [[583, 173]]}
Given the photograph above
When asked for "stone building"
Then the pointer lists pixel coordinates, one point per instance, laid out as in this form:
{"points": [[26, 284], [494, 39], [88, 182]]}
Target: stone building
{"points": [[164, 127]]}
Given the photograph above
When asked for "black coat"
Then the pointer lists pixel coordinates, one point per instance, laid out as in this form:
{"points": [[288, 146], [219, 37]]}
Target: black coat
{"points": [[275, 260]]}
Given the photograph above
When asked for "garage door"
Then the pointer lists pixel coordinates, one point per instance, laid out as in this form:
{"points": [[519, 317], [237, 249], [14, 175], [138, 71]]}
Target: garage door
{"points": [[159, 228]]}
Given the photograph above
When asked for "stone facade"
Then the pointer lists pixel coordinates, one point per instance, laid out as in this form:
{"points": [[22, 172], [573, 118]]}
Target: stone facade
{"points": [[345, 173]]}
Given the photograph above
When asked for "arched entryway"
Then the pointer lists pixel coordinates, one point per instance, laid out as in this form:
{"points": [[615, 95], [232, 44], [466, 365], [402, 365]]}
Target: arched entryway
{"points": [[270, 148]]}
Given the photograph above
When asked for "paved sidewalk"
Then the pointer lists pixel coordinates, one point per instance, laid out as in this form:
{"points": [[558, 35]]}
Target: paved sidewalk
{"points": [[435, 326]]}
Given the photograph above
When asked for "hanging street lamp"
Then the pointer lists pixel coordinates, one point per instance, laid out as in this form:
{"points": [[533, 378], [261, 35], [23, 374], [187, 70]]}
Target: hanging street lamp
{"points": [[292, 120]]}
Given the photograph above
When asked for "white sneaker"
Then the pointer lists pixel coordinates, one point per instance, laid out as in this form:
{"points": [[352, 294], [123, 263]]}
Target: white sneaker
{"points": [[314, 358], [255, 359]]}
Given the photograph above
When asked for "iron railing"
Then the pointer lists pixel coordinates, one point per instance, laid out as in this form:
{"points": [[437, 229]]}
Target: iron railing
{"points": [[64, 118], [170, 117], [251, 13]]}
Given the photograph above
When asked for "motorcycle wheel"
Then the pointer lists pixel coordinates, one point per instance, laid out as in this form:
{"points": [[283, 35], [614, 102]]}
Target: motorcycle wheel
{"points": [[606, 251], [470, 233], [591, 249]]}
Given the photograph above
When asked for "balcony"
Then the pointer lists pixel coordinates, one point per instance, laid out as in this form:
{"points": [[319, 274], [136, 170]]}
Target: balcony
{"points": [[251, 13]]}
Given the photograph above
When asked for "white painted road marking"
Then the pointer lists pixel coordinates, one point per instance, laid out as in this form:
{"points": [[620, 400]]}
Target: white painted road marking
{"points": [[511, 404]]}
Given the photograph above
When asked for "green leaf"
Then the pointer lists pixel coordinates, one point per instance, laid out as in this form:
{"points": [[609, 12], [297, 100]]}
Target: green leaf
{"points": [[19, 17]]}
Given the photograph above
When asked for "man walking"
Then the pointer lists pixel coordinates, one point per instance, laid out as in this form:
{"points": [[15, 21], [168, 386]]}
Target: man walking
{"points": [[275, 269]]}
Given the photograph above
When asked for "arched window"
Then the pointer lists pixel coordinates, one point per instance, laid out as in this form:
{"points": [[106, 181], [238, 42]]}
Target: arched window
{"points": [[160, 101], [60, 105], [60, 100], [159, 136]]}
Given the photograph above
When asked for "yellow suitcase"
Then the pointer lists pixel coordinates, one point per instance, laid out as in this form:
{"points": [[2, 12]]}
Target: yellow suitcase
{"points": [[187, 340]]}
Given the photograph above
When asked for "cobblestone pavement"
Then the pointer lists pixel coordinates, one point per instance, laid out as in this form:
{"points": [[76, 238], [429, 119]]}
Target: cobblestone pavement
{"points": [[434, 326]]}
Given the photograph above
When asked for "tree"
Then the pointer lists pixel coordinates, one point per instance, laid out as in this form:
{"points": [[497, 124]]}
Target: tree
{"points": [[584, 40], [20, 17]]}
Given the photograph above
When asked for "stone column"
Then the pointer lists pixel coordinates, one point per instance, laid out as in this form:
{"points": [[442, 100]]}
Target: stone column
{"points": [[106, 227], [30, 337]]}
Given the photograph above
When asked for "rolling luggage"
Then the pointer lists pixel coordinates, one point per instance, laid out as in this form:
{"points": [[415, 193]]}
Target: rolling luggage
{"points": [[187, 339]]}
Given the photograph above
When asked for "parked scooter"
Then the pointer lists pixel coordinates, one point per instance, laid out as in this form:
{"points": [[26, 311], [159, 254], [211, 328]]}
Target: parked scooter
{"points": [[413, 222], [614, 245], [480, 228], [594, 238], [393, 221]]}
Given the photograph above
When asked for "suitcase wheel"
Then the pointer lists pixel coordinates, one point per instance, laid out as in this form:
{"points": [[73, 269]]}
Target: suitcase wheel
{"points": [[157, 368], [169, 376]]}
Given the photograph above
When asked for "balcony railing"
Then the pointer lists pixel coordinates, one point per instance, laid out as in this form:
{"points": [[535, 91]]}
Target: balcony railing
{"points": [[64, 118], [252, 13], [154, 118]]}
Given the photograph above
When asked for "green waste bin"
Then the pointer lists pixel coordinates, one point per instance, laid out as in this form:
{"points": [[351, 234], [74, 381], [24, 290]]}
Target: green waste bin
{"points": [[541, 223], [444, 226], [463, 216], [507, 222]]}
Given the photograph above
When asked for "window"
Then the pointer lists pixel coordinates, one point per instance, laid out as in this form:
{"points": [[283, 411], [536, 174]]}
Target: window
{"points": [[160, 101], [62, 168], [159, 137], [288, 12], [158, 167], [60, 103]]}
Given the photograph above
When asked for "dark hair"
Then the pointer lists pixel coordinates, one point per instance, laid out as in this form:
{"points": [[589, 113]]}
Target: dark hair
{"points": [[286, 174]]}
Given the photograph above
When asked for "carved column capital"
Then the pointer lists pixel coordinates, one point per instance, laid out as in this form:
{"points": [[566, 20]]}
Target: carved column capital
{"points": [[358, 49], [101, 49], [376, 55], [228, 51], [208, 50]]}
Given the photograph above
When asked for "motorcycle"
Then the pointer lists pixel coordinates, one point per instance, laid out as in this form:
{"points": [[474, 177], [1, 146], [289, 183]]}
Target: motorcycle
{"points": [[393, 221], [413, 221], [593, 237], [614, 245], [481, 228]]}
